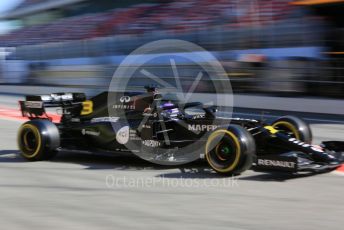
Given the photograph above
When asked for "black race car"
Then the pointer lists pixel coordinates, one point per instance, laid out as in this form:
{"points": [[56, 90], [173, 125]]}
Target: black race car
{"points": [[170, 132]]}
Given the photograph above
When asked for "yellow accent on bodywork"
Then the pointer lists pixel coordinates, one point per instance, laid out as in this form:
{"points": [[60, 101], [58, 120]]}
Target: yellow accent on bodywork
{"points": [[271, 129], [87, 108]]}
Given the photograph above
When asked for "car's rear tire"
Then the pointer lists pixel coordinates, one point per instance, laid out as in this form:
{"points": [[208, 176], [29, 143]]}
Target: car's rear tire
{"points": [[295, 127], [38, 140], [230, 151]]}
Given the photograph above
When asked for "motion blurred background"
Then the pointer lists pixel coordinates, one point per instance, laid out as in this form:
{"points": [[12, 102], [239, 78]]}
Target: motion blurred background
{"points": [[279, 47]]}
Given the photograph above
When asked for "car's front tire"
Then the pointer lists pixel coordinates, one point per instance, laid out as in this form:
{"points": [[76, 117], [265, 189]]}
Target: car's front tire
{"points": [[38, 140], [230, 151], [294, 127]]}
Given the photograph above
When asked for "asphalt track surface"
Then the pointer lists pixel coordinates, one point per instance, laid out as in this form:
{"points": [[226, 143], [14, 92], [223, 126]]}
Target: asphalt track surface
{"points": [[79, 191]]}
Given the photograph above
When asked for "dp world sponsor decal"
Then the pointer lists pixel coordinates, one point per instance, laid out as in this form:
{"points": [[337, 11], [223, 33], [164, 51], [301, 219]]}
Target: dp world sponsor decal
{"points": [[151, 143], [89, 132], [104, 119]]}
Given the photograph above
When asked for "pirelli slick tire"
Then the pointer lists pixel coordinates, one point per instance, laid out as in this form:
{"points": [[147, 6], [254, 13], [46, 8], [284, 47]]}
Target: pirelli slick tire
{"points": [[230, 151], [294, 127], [38, 140]]}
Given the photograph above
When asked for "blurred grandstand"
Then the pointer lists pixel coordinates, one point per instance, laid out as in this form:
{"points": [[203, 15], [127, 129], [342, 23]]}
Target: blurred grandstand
{"points": [[51, 21], [265, 45]]}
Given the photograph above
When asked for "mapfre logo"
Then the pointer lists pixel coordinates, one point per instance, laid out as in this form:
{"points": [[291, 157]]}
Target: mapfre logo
{"points": [[200, 128]]}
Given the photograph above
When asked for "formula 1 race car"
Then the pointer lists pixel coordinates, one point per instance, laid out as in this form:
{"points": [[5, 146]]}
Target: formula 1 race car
{"points": [[161, 131]]}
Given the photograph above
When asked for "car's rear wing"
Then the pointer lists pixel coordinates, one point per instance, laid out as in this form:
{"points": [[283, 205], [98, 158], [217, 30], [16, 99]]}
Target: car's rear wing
{"points": [[34, 105]]}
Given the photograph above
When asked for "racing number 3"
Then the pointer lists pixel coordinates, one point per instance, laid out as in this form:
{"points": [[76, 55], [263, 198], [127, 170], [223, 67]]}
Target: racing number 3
{"points": [[87, 107]]}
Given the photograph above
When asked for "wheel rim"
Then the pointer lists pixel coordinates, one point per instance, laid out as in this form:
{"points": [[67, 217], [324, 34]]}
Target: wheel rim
{"points": [[224, 151], [29, 141], [224, 157]]}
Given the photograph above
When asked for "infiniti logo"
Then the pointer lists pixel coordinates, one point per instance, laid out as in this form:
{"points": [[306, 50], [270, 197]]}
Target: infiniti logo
{"points": [[124, 99]]}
